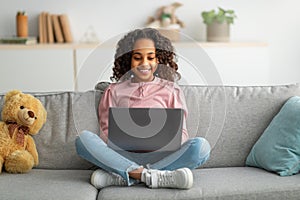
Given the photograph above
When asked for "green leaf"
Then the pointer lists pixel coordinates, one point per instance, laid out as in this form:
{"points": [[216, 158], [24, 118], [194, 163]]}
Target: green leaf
{"points": [[229, 20], [230, 11], [220, 19], [221, 9], [220, 16], [221, 13], [208, 17]]}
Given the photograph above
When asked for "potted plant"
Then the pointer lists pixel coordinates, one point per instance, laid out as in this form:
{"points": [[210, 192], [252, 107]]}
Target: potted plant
{"points": [[218, 24]]}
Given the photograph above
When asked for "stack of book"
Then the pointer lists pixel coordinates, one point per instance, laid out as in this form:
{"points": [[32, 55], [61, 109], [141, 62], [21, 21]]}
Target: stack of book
{"points": [[18, 40], [54, 28]]}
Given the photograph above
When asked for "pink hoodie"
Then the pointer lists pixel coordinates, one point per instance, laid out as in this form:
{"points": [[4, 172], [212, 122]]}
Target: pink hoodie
{"points": [[158, 93]]}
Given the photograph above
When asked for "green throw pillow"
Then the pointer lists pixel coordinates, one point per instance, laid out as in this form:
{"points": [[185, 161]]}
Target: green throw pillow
{"points": [[278, 149]]}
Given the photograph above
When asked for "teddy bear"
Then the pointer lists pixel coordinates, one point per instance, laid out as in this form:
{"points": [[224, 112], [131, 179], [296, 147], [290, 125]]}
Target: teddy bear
{"points": [[165, 17], [23, 115]]}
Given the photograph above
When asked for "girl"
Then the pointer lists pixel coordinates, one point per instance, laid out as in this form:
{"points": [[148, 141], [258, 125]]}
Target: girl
{"points": [[139, 59]]}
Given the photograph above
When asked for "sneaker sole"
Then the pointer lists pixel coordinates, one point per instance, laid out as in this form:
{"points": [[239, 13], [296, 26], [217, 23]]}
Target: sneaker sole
{"points": [[189, 174], [93, 177]]}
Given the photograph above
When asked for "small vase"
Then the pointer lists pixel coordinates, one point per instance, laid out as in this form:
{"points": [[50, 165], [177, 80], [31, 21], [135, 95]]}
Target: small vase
{"points": [[218, 32], [22, 25]]}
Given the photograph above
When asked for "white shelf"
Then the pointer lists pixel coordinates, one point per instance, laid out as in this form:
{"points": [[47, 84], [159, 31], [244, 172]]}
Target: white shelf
{"points": [[94, 45], [47, 46]]}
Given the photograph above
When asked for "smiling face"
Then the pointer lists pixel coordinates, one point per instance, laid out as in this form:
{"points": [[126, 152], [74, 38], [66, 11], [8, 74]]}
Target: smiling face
{"points": [[143, 60]]}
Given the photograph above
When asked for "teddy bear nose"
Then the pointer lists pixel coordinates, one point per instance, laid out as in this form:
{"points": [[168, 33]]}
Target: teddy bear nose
{"points": [[31, 114]]}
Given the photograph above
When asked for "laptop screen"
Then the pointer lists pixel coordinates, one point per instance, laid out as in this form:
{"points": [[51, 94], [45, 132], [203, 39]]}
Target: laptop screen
{"points": [[145, 129]]}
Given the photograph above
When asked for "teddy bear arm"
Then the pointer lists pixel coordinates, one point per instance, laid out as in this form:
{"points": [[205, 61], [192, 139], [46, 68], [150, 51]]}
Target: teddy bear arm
{"points": [[1, 163], [31, 148]]}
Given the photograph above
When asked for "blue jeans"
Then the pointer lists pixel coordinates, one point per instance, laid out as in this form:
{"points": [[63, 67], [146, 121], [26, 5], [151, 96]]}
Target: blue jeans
{"points": [[91, 147]]}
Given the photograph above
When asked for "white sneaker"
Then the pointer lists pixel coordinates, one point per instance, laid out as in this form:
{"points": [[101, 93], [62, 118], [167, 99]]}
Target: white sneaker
{"points": [[180, 178], [101, 179]]}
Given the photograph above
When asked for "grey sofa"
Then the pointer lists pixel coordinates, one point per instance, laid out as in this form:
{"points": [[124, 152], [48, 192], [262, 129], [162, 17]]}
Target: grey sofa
{"points": [[231, 118]]}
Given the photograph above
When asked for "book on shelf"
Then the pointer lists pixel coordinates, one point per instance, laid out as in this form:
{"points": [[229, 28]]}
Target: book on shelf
{"points": [[57, 29], [45, 31], [43, 37], [66, 29], [18, 40], [54, 28], [49, 28], [41, 29]]}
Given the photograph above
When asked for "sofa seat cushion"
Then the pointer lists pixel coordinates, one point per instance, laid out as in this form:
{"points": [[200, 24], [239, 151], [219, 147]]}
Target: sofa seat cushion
{"points": [[218, 183], [47, 184]]}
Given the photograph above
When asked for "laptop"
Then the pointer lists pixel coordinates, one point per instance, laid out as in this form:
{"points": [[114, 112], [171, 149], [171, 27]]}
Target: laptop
{"points": [[143, 130]]}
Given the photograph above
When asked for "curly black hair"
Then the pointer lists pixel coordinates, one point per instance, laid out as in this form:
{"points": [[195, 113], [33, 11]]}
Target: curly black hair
{"points": [[164, 54]]}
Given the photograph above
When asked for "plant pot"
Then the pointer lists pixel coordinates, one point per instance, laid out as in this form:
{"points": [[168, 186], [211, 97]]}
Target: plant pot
{"points": [[218, 32], [22, 25]]}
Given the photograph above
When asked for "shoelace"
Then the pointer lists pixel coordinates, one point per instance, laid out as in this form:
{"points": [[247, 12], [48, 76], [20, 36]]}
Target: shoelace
{"points": [[166, 179], [118, 180]]}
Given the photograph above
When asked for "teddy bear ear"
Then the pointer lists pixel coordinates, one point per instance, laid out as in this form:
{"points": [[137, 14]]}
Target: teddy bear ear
{"points": [[11, 93]]}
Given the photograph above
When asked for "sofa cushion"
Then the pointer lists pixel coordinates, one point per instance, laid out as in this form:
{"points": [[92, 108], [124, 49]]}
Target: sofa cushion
{"points": [[68, 114], [278, 149], [232, 118], [217, 183], [47, 184]]}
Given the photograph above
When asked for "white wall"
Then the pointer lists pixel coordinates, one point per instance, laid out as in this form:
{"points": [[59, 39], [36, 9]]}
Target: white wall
{"points": [[273, 21]]}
